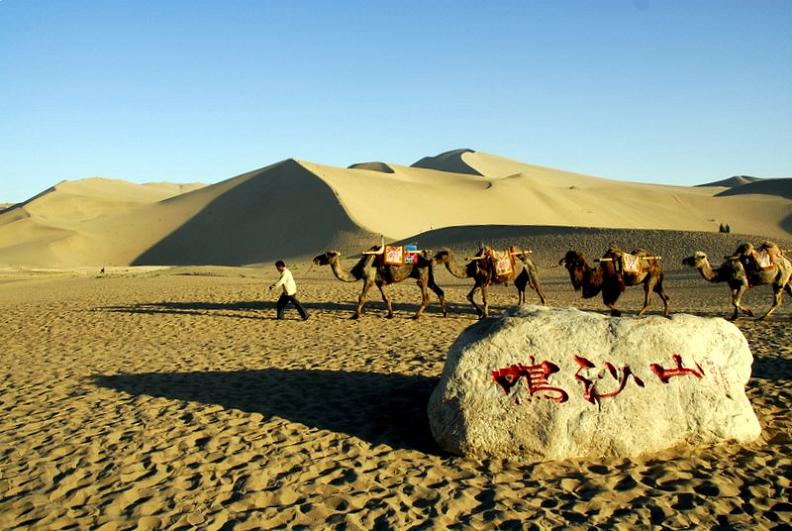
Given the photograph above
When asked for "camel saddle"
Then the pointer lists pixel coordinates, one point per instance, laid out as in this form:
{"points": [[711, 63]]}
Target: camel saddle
{"points": [[393, 255], [765, 258], [399, 255], [410, 254], [631, 263], [502, 262]]}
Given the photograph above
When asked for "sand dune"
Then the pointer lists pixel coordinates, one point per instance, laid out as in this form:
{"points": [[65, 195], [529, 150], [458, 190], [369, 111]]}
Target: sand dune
{"points": [[298, 208], [374, 166], [731, 182], [450, 161], [76, 223], [772, 187]]}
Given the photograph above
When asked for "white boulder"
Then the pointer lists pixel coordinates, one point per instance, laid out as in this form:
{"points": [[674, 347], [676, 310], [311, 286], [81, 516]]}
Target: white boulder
{"points": [[555, 383]]}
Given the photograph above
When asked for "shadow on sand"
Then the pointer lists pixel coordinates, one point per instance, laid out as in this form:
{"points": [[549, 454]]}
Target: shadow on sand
{"points": [[770, 368], [372, 309], [379, 408]]}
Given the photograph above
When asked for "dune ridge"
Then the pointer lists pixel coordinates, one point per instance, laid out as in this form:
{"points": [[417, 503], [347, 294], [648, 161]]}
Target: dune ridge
{"points": [[384, 167], [296, 208], [731, 182]]}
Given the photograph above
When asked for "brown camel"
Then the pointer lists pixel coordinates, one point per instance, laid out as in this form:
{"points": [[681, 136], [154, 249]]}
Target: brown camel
{"points": [[481, 269], [611, 278], [740, 278], [372, 271]]}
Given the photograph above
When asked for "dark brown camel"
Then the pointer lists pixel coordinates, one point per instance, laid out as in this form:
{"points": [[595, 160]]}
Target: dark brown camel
{"points": [[481, 270], [609, 278], [372, 271]]}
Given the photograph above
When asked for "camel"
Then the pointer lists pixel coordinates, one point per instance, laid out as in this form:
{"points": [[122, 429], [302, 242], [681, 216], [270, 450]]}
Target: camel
{"points": [[481, 270], [740, 278], [610, 278], [372, 272]]}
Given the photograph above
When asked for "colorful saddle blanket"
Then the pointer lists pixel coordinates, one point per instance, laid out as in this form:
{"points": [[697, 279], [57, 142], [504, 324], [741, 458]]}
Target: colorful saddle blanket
{"points": [[399, 255], [502, 262], [631, 263], [410, 254], [394, 255]]}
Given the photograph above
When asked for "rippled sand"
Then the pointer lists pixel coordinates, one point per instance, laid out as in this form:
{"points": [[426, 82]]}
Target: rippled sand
{"points": [[174, 399]]}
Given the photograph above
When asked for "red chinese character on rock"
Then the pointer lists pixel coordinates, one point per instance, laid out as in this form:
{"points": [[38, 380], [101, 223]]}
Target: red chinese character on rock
{"points": [[679, 370], [590, 391], [536, 380]]}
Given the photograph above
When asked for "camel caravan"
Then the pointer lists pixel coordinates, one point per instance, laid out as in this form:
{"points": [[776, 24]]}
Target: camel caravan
{"points": [[611, 274], [746, 268]]}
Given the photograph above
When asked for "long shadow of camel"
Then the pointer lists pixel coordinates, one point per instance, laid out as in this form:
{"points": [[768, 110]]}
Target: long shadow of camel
{"points": [[200, 307], [378, 408]]}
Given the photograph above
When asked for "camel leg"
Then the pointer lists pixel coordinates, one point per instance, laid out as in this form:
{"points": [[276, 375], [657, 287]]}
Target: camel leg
{"points": [[440, 295], [473, 300], [362, 300], [387, 301], [648, 287], [541, 294], [658, 288], [424, 299], [485, 300], [778, 299], [520, 281], [533, 281], [737, 294], [610, 296]]}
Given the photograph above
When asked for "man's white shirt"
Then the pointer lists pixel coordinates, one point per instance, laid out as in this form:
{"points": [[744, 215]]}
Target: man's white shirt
{"points": [[287, 281]]}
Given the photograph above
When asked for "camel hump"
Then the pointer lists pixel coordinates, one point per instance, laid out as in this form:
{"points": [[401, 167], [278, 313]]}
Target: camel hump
{"points": [[744, 249], [767, 255], [770, 247]]}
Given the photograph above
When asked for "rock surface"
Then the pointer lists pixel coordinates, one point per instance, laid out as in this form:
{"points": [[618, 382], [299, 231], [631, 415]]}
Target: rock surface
{"points": [[555, 383]]}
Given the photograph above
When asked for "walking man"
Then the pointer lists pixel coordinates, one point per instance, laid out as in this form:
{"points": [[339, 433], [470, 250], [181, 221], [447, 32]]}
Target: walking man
{"points": [[289, 294]]}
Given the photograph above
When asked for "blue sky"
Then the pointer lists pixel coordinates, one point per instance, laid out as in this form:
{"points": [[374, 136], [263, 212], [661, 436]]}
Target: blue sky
{"points": [[674, 92]]}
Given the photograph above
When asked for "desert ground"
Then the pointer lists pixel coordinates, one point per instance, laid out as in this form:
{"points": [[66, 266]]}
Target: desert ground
{"points": [[171, 397]]}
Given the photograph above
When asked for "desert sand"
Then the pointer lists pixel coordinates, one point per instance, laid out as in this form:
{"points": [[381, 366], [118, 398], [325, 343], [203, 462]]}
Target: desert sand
{"points": [[164, 394], [172, 398]]}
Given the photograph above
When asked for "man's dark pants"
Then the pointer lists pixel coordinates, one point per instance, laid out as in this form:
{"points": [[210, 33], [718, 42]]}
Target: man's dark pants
{"points": [[286, 299]]}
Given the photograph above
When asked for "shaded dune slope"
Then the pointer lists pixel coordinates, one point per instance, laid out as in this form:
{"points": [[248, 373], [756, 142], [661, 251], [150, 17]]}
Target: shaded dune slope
{"points": [[773, 187], [450, 161], [279, 211], [731, 182]]}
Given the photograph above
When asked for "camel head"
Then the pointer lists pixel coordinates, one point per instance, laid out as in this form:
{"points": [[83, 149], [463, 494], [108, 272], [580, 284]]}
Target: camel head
{"points": [[697, 260], [574, 262], [326, 258], [442, 257]]}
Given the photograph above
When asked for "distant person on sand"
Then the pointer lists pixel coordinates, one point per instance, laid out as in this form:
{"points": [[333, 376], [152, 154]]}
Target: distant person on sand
{"points": [[289, 294]]}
